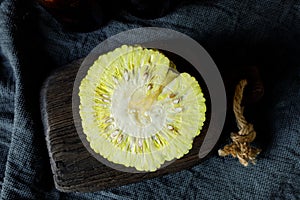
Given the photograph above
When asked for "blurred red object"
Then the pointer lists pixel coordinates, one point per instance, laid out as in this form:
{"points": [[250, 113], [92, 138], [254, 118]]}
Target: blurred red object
{"points": [[81, 15]]}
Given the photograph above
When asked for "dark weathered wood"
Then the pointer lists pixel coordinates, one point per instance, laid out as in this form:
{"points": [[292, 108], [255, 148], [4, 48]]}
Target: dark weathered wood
{"points": [[73, 167]]}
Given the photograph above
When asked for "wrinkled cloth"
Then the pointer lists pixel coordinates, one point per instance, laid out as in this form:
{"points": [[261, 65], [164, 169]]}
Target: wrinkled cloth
{"points": [[235, 33]]}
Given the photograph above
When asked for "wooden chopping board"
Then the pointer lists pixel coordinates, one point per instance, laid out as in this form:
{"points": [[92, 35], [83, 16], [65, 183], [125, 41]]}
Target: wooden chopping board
{"points": [[74, 168]]}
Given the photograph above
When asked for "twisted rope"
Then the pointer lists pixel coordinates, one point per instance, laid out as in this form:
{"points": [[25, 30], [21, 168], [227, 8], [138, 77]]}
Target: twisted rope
{"points": [[240, 146]]}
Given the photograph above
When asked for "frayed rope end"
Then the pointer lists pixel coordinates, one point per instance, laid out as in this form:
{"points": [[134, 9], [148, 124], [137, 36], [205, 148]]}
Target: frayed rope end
{"points": [[240, 146]]}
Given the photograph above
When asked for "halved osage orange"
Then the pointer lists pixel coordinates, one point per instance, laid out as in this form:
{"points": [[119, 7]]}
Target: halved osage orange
{"points": [[137, 110]]}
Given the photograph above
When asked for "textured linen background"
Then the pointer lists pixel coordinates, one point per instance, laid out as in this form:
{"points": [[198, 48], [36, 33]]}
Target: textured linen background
{"points": [[234, 32]]}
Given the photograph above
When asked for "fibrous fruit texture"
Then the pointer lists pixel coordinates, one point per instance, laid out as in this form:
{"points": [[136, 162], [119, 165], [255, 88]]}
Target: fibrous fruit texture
{"points": [[137, 110]]}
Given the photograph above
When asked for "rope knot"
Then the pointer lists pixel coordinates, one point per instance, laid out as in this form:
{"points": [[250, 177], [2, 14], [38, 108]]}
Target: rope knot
{"points": [[240, 146], [245, 135]]}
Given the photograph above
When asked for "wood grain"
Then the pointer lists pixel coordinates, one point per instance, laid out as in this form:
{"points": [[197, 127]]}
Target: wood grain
{"points": [[74, 168]]}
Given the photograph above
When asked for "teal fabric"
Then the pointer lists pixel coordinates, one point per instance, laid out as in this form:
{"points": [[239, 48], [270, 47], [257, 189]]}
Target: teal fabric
{"points": [[235, 33]]}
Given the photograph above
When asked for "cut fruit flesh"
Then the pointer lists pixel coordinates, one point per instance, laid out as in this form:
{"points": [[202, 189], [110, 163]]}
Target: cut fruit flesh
{"points": [[137, 110]]}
